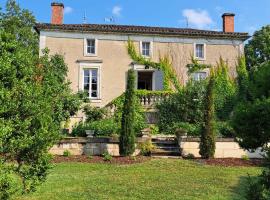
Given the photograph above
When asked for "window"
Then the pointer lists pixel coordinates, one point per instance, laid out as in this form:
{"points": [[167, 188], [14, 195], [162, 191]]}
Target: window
{"points": [[146, 49], [90, 47], [198, 76], [199, 51], [91, 82]]}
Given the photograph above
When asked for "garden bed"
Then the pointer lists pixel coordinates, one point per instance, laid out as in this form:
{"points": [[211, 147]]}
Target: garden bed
{"points": [[98, 159], [231, 162]]}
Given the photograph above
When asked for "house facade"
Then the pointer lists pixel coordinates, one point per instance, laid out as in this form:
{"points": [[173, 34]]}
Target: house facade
{"points": [[98, 60]]}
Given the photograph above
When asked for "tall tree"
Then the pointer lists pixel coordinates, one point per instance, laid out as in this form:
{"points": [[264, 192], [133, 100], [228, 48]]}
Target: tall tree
{"points": [[207, 144], [257, 50], [242, 80], [127, 135], [35, 98]]}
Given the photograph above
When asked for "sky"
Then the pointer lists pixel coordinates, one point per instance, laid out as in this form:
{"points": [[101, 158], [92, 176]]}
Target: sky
{"points": [[251, 15]]}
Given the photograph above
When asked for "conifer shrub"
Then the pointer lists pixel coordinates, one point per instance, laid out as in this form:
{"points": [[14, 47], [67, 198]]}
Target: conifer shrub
{"points": [[127, 132], [207, 144]]}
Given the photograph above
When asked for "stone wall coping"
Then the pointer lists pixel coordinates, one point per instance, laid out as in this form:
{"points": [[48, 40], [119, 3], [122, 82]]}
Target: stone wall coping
{"points": [[197, 139], [110, 140]]}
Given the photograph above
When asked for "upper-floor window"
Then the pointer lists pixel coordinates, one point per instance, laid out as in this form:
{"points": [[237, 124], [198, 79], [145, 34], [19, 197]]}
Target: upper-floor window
{"points": [[90, 47], [91, 82], [200, 51], [146, 49]]}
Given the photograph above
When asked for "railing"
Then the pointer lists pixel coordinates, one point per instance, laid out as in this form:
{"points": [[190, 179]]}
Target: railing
{"points": [[147, 98], [150, 98]]}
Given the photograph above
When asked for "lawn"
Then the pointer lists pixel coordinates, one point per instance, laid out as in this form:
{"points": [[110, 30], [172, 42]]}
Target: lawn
{"points": [[154, 179]]}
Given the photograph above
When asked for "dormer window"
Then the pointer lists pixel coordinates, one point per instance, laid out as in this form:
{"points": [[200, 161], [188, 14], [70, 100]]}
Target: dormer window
{"points": [[199, 51], [90, 47], [146, 49]]}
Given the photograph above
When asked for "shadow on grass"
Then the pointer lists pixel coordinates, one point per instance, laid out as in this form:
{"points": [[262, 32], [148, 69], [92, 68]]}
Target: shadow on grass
{"points": [[239, 192]]}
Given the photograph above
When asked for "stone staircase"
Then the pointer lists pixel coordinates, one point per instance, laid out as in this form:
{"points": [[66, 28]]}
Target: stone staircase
{"points": [[166, 146]]}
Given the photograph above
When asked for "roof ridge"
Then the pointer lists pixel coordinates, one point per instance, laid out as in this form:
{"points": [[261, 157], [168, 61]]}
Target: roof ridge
{"points": [[139, 29]]}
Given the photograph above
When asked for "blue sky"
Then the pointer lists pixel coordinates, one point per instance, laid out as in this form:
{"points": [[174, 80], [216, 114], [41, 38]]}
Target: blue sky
{"points": [[203, 14]]}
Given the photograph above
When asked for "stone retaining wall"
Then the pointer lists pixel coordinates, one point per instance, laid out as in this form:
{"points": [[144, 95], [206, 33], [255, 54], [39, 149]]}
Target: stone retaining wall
{"points": [[225, 148], [90, 146]]}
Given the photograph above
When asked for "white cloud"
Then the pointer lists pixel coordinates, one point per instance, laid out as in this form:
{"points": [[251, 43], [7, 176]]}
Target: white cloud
{"points": [[117, 11], [198, 18], [68, 10]]}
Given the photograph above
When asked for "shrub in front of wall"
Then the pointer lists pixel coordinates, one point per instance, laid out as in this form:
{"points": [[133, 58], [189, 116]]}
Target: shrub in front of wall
{"points": [[79, 130], [146, 148], [127, 133], [187, 128], [107, 156], [94, 113], [185, 107], [104, 127], [224, 129], [66, 153], [225, 91]]}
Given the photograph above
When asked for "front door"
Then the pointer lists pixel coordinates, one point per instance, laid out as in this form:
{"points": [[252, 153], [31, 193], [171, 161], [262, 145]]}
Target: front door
{"points": [[145, 81]]}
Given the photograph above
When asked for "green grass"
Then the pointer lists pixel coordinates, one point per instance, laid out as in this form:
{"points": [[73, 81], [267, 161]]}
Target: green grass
{"points": [[155, 179]]}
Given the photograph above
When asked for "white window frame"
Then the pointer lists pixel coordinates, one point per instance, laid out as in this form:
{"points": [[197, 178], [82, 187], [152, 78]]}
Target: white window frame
{"points": [[85, 47], [150, 50], [204, 51], [97, 66], [193, 74]]}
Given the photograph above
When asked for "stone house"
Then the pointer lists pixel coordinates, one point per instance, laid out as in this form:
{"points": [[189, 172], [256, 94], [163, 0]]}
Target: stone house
{"points": [[98, 61]]}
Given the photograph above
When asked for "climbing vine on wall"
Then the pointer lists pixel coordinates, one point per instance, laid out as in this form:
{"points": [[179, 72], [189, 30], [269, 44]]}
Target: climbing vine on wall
{"points": [[170, 77], [196, 66]]}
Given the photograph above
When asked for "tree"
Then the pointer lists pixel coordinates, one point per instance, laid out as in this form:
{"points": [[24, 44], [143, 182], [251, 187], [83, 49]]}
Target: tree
{"points": [[35, 98], [257, 50], [207, 144], [224, 89], [242, 80], [252, 126], [127, 134]]}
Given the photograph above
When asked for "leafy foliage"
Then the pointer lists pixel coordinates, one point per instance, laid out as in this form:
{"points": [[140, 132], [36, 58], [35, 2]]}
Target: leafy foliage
{"points": [[107, 156], [251, 123], [35, 98], [139, 116], [225, 91], [146, 148], [207, 143], [94, 113], [242, 80], [259, 83], [127, 134], [104, 127], [196, 66], [257, 50], [183, 107]]}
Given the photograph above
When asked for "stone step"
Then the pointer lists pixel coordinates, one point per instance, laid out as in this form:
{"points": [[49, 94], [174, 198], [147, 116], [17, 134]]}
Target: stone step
{"points": [[171, 157], [168, 148], [157, 140], [165, 143], [166, 153]]}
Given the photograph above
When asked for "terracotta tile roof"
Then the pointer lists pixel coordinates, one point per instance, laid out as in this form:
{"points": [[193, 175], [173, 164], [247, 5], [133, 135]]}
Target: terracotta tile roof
{"points": [[144, 30]]}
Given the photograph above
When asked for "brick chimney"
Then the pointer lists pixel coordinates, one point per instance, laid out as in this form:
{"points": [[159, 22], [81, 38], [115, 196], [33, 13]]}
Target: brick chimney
{"points": [[228, 22], [57, 13]]}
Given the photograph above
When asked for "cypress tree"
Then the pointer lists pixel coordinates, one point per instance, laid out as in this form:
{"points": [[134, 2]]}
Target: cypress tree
{"points": [[207, 144], [127, 135]]}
